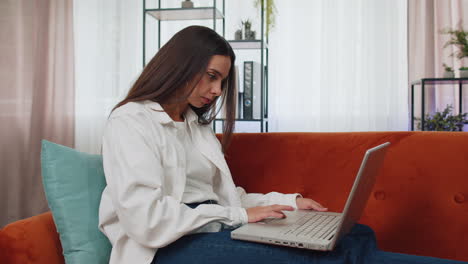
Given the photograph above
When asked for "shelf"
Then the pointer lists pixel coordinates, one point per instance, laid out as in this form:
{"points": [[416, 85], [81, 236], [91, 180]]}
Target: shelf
{"points": [[440, 81], [246, 120], [247, 44], [196, 13], [213, 14], [434, 81]]}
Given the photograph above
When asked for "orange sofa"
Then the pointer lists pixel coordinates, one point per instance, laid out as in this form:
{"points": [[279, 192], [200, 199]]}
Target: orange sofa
{"points": [[419, 204]]}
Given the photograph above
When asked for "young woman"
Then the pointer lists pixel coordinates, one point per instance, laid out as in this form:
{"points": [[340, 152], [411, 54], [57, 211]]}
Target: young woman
{"points": [[165, 169]]}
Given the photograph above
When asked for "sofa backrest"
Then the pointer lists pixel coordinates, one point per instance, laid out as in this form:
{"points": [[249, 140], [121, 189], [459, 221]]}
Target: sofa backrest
{"points": [[419, 204]]}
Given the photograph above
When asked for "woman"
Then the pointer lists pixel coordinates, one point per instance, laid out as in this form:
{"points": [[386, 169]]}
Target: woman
{"points": [[165, 169]]}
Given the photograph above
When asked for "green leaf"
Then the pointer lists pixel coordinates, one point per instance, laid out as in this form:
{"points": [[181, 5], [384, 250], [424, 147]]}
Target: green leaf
{"points": [[443, 121]]}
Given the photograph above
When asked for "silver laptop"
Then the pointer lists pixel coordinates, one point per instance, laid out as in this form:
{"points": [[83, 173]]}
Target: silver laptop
{"points": [[319, 230]]}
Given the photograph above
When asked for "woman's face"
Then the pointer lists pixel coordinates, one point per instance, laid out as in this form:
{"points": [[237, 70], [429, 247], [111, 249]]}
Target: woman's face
{"points": [[209, 87]]}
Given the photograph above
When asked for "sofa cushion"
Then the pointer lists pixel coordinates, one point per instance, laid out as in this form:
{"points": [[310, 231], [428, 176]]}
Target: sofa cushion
{"points": [[73, 183], [31, 240]]}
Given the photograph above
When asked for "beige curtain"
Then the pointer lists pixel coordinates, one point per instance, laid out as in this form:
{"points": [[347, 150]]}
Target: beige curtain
{"points": [[426, 19], [36, 97]]}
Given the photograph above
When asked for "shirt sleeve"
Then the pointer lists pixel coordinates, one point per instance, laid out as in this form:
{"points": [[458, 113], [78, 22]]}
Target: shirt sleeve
{"points": [[134, 175], [257, 199]]}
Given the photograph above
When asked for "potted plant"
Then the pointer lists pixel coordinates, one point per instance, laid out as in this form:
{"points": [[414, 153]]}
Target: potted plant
{"points": [[458, 38], [249, 34], [463, 72], [269, 14], [444, 121], [247, 24], [448, 73]]}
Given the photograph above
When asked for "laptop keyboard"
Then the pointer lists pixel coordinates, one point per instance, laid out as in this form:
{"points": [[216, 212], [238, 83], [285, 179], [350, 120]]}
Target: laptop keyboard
{"points": [[313, 226]]}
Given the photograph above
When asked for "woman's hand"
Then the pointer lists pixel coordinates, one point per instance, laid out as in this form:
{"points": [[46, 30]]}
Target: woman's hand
{"points": [[261, 212], [306, 203]]}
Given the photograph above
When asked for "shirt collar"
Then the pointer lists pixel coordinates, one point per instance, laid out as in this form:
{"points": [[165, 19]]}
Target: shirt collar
{"points": [[165, 119]]}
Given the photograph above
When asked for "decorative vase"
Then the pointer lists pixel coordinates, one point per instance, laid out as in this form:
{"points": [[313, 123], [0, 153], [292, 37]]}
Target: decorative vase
{"points": [[463, 73], [187, 4], [238, 34], [449, 74], [250, 35]]}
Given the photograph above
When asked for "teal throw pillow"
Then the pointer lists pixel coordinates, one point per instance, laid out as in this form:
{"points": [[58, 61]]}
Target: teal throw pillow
{"points": [[73, 183]]}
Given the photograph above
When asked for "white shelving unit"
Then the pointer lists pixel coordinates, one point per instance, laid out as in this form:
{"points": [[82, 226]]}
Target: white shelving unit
{"points": [[213, 13]]}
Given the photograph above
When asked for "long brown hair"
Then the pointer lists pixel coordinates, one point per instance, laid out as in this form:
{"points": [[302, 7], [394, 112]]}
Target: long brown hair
{"points": [[180, 62]]}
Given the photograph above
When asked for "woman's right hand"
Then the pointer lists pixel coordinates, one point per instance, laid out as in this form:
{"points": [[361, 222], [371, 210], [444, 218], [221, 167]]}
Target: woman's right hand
{"points": [[259, 213]]}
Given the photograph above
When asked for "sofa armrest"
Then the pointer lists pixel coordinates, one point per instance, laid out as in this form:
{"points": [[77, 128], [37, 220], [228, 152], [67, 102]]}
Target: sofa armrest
{"points": [[32, 240]]}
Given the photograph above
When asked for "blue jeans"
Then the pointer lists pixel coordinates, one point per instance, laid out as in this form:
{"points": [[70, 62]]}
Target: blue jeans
{"points": [[359, 246], [219, 248]]}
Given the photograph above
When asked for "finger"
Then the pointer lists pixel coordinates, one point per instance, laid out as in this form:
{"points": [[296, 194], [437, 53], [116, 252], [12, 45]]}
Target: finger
{"points": [[321, 209], [316, 204], [276, 214], [311, 202], [318, 207], [278, 207]]}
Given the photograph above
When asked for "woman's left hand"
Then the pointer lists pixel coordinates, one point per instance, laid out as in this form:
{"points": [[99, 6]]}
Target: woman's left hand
{"points": [[306, 203]]}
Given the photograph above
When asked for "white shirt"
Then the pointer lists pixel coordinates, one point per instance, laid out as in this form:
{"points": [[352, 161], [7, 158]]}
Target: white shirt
{"points": [[200, 171], [141, 207]]}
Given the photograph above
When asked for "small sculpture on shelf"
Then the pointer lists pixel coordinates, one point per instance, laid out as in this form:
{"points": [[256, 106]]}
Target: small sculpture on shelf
{"points": [[187, 4]]}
